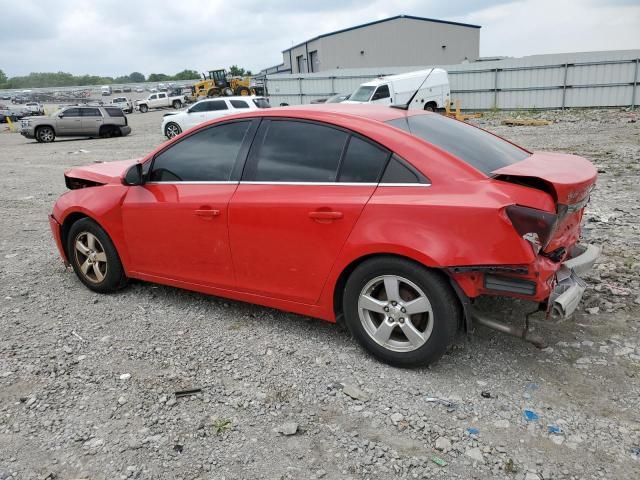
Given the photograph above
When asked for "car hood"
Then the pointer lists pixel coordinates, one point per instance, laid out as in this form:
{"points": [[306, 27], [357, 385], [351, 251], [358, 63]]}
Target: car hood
{"points": [[102, 173], [570, 177]]}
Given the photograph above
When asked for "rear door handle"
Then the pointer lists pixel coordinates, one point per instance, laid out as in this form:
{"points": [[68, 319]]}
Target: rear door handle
{"points": [[207, 213], [325, 215]]}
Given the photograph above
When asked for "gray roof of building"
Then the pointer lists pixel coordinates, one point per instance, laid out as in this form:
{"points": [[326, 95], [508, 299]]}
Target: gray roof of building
{"points": [[410, 17]]}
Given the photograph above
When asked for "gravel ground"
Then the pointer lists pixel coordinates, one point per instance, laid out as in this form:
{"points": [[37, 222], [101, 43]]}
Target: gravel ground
{"points": [[88, 382]]}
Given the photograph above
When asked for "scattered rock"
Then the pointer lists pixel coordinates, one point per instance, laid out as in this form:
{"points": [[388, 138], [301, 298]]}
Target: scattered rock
{"points": [[354, 392], [288, 428]]}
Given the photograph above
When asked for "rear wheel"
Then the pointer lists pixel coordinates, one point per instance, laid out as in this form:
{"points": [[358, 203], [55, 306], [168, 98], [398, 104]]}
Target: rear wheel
{"points": [[431, 107], [172, 129], [403, 313], [177, 104], [144, 108], [94, 257], [45, 135], [227, 91]]}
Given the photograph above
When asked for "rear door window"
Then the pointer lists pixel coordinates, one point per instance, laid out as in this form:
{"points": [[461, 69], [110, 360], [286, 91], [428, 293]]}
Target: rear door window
{"points": [[478, 148], [293, 151], [216, 105], [363, 161], [91, 112], [114, 112], [206, 156]]}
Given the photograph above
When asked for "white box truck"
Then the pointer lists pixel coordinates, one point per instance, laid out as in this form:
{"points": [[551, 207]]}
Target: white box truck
{"points": [[106, 90], [433, 93]]}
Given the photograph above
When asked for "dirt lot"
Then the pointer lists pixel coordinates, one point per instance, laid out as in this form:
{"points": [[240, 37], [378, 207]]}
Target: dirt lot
{"points": [[88, 382]]}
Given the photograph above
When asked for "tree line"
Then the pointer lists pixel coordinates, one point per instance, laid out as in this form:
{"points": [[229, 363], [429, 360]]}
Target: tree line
{"points": [[62, 79]]}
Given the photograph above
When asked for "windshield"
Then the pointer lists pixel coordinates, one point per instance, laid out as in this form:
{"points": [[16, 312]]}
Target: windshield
{"points": [[478, 148], [337, 98], [362, 94]]}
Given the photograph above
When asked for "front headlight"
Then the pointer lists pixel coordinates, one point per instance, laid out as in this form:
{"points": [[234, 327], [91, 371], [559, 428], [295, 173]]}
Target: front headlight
{"points": [[26, 123]]}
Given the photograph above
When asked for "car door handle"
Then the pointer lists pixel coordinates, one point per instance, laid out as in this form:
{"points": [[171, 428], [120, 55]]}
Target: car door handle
{"points": [[325, 215], [207, 213]]}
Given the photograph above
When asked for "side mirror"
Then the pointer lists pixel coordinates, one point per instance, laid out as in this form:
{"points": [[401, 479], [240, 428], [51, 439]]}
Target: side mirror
{"points": [[61, 115], [134, 176]]}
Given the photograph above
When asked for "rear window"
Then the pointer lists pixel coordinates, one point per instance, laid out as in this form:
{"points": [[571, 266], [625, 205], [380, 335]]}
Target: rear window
{"points": [[114, 111], [472, 145]]}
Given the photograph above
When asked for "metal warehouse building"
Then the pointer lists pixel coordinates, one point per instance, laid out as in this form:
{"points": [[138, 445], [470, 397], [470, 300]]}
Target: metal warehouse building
{"points": [[395, 41]]}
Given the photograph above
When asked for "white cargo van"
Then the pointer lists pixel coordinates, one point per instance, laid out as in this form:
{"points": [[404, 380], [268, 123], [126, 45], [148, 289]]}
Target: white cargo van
{"points": [[106, 90], [398, 89]]}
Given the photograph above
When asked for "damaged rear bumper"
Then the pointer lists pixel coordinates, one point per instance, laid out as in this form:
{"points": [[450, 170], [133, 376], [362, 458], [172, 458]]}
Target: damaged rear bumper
{"points": [[567, 294]]}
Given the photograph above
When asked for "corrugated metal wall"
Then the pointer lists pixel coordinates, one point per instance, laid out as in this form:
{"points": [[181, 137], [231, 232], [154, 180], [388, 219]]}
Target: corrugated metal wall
{"points": [[588, 79]]}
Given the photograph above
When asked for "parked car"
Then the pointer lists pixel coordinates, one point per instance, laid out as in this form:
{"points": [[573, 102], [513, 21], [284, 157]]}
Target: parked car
{"points": [[139, 89], [174, 123], [390, 219], [126, 89], [77, 122], [117, 89], [160, 100], [34, 108], [340, 97], [106, 90], [5, 97], [124, 103], [12, 112], [432, 88]]}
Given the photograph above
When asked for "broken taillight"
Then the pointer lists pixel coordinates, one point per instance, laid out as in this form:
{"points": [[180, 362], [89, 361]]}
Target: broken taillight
{"points": [[535, 226]]}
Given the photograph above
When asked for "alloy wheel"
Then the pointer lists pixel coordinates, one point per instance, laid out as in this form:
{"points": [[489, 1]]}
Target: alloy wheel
{"points": [[172, 130], [395, 313], [91, 257], [46, 135]]}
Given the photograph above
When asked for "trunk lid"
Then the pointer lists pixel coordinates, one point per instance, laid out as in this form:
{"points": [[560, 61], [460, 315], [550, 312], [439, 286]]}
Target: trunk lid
{"points": [[101, 173], [569, 178]]}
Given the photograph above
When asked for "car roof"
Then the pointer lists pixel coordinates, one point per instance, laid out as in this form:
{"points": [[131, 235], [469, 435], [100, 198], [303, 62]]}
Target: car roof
{"points": [[378, 113]]}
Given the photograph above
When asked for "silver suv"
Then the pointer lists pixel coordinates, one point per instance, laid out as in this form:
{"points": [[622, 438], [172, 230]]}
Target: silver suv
{"points": [[77, 122]]}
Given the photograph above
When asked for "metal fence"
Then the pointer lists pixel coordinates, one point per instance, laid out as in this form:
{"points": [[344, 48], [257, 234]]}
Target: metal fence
{"points": [[589, 79]]}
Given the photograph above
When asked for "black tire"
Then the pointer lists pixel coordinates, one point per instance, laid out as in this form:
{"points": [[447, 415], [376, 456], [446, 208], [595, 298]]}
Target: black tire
{"points": [[105, 132], [144, 108], [243, 91], [431, 107], [112, 272], [227, 92], [172, 129], [443, 317], [176, 104], [45, 134]]}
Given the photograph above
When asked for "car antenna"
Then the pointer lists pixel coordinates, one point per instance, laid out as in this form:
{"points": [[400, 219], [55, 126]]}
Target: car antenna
{"points": [[406, 105]]}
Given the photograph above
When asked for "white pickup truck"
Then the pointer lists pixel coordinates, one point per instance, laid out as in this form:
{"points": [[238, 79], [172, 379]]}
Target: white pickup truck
{"points": [[160, 100]]}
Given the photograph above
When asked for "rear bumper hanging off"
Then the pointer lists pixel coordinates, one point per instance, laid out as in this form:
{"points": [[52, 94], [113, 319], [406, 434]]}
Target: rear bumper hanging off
{"points": [[566, 295]]}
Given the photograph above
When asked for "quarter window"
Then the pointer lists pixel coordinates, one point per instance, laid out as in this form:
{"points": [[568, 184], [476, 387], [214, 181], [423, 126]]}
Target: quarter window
{"points": [[239, 104], [298, 152], [207, 156], [398, 172], [363, 162]]}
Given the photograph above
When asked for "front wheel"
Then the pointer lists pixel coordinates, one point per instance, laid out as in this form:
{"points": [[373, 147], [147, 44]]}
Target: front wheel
{"points": [[172, 129], [144, 108], [403, 313], [45, 135], [94, 257]]}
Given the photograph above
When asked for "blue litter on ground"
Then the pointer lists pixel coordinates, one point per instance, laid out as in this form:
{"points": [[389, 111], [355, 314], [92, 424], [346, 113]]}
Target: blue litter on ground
{"points": [[533, 386], [473, 431], [530, 415], [554, 429]]}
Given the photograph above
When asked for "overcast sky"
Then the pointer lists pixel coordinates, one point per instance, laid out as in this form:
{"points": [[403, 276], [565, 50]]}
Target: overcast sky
{"points": [[106, 37]]}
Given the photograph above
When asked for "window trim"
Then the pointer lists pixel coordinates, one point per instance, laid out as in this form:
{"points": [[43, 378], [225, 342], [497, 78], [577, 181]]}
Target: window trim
{"points": [[238, 165]]}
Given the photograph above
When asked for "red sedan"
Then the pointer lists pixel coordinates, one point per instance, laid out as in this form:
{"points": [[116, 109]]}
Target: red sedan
{"points": [[394, 220]]}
